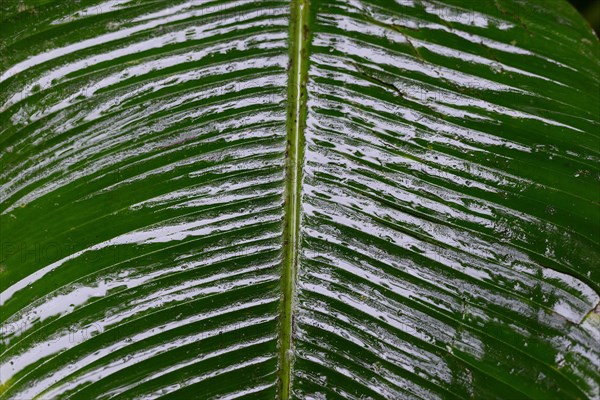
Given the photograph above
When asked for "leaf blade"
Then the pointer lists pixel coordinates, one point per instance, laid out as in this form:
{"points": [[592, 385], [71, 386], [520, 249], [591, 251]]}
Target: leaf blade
{"points": [[441, 214]]}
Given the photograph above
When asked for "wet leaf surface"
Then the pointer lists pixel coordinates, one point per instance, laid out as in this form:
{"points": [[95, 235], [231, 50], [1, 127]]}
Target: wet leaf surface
{"points": [[259, 199]]}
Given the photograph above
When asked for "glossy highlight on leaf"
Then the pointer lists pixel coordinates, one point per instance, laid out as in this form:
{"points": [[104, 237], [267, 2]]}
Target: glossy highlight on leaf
{"points": [[299, 199]]}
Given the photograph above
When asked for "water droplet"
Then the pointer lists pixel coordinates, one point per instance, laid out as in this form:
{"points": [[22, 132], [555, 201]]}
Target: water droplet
{"points": [[496, 68]]}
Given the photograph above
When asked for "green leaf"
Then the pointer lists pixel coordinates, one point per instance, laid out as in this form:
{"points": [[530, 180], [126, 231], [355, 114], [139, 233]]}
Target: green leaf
{"points": [[275, 199]]}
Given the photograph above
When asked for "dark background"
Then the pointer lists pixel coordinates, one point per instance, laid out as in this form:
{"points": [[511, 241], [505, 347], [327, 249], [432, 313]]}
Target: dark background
{"points": [[590, 9]]}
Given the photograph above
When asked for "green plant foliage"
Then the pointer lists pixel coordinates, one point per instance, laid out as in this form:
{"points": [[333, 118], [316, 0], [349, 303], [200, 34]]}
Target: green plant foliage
{"points": [[271, 199]]}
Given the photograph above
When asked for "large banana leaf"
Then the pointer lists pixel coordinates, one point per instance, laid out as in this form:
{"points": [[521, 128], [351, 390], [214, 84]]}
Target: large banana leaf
{"points": [[334, 199]]}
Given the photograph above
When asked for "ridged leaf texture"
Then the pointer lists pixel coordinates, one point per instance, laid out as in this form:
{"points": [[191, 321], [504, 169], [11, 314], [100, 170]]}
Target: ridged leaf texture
{"points": [[362, 199]]}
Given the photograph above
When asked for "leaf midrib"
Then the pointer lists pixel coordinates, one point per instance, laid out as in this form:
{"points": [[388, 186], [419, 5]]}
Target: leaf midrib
{"points": [[296, 117]]}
